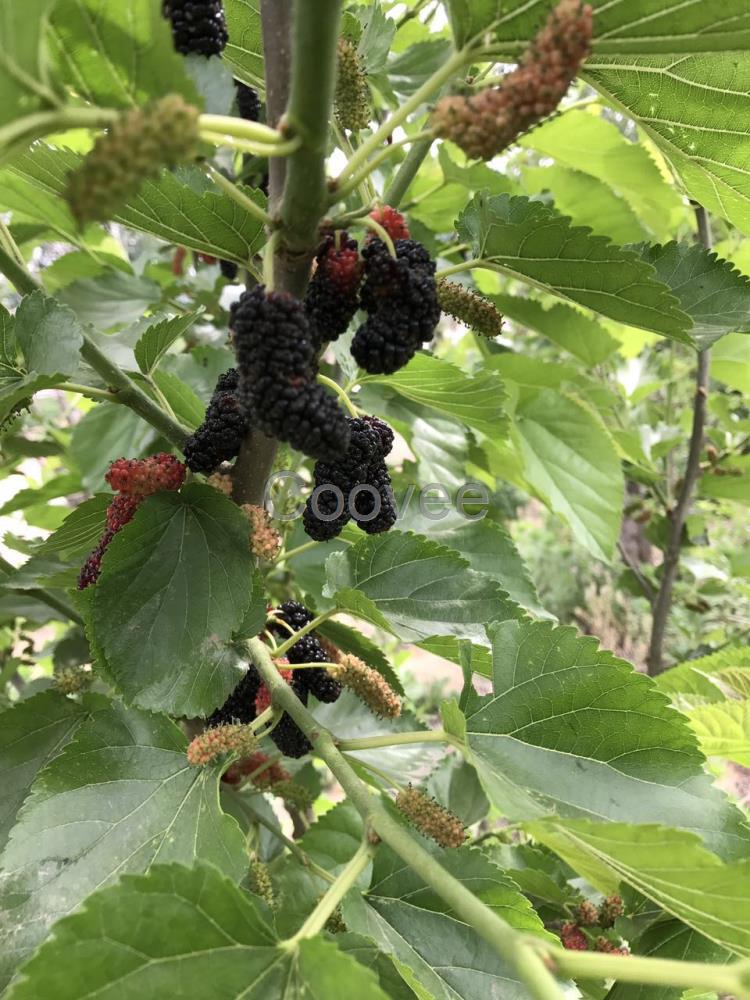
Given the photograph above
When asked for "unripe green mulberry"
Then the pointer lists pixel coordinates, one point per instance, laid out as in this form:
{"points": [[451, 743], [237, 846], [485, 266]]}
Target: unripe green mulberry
{"points": [[136, 147], [429, 817], [259, 880], [486, 123], [467, 307], [352, 99], [368, 684]]}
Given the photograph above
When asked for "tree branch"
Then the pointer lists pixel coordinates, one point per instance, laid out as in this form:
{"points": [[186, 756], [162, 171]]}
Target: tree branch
{"points": [[468, 907], [297, 188], [663, 601]]}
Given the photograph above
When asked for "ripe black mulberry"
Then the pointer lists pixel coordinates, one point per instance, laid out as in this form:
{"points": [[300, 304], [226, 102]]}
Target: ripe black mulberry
{"points": [[198, 26], [224, 428]]}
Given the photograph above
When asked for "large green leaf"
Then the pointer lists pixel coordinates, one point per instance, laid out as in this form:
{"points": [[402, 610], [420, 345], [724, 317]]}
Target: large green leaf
{"points": [[31, 734], [475, 400], [414, 587], [106, 432], [81, 529], [635, 27], [22, 29], [120, 797], [723, 730], [187, 933], [175, 584], [572, 729], [530, 241], [112, 299], [410, 922], [208, 222], [668, 939], [117, 55], [244, 53], [586, 201], [570, 460], [571, 329], [696, 109], [710, 290], [670, 867], [49, 335], [589, 143]]}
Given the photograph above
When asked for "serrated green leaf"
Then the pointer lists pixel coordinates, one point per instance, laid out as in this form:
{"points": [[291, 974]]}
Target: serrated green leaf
{"points": [[419, 587], [595, 146], [723, 730], [117, 55], [14, 391], [571, 463], [639, 26], [710, 290], [157, 339], [31, 734], [81, 529], [574, 331], [120, 797], [670, 867], [460, 651], [175, 583], [587, 202], [571, 729], [668, 939], [730, 362], [376, 39], [185, 403], [532, 242], [22, 27], [410, 922], [667, 98], [188, 932], [699, 676], [49, 335], [208, 222], [244, 53], [733, 485], [475, 400], [8, 363], [254, 619], [113, 299]]}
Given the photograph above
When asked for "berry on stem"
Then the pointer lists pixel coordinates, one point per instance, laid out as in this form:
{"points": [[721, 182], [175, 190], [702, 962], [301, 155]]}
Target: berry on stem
{"points": [[469, 308], [224, 428], [430, 818], [400, 297], [136, 148], [352, 97], [332, 296], [277, 367], [486, 123], [240, 705], [140, 477], [212, 743], [368, 684], [392, 221], [198, 26]]}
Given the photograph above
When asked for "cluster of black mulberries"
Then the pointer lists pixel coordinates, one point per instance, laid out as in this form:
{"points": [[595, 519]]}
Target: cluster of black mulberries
{"points": [[198, 26], [240, 705], [400, 297], [308, 649], [333, 294], [277, 364], [355, 486], [219, 437]]}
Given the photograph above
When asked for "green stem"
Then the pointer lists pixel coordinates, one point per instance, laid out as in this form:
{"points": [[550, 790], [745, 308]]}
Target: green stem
{"points": [[297, 551], [335, 387], [17, 274], [89, 390], [464, 265], [293, 848], [381, 231], [242, 129], [239, 196], [314, 42], [254, 148], [288, 643], [341, 191], [406, 173], [397, 739], [329, 903], [46, 122], [653, 971], [127, 392], [265, 716], [372, 145], [466, 905]]}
